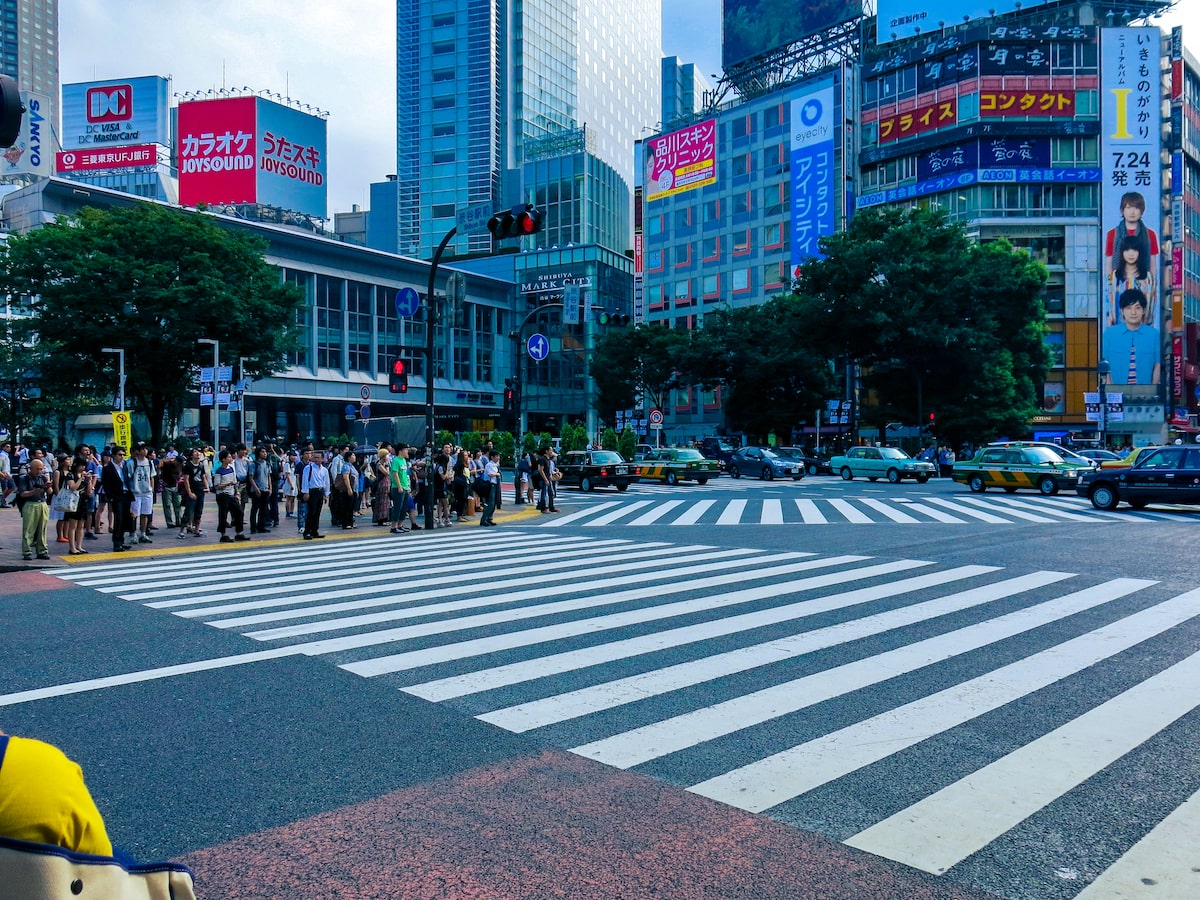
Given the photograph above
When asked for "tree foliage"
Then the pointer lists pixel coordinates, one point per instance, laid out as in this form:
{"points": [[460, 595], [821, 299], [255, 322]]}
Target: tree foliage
{"points": [[632, 362], [150, 280]]}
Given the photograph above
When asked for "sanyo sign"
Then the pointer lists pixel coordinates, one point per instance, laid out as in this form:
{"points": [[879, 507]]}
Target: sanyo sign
{"points": [[32, 153]]}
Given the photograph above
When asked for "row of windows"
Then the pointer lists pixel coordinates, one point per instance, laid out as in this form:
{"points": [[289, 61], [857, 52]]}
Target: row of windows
{"points": [[1065, 152], [771, 200], [715, 287], [1012, 200]]}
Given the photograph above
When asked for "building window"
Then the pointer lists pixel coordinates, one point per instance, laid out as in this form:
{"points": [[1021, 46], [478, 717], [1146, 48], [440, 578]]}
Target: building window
{"points": [[358, 332], [712, 248], [683, 217], [445, 129], [301, 320], [712, 286], [741, 242], [741, 280], [653, 224], [443, 157], [329, 322], [443, 102], [442, 211], [773, 236], [683, 291], [683, 254], [712, 211], [741, 164], [775, 274], [742, 204]]}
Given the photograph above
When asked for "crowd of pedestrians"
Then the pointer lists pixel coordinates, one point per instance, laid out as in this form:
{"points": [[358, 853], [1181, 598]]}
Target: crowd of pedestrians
{"points": [[89, 492]]}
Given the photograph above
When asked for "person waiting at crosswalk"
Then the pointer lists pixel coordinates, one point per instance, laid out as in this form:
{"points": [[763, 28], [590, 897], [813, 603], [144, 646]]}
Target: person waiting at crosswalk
{"points": [[229, 509]]}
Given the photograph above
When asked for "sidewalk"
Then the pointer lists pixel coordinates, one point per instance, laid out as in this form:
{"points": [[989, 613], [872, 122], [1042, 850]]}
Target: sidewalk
{"points": [[166, 542]]}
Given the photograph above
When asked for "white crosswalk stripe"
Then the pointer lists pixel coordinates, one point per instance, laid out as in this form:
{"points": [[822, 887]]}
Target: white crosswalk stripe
{"points": [[955, 509], [770, 680]]}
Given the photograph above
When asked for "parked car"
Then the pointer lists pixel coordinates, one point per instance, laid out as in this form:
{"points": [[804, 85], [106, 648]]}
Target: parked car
{"points": [[874, 463], [813, 464], [763, 462], [1129, 459], [1067, 454], [640, 451], [675, 464], [1100, 457], [1016, 467], [716, 448], [590, 469], [1165, 475]]}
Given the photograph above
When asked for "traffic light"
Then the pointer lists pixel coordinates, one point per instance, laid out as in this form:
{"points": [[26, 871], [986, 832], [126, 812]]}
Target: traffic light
{"points": [[932, 427], [520, 221], [11, 111], [398, 379], [509, 394], [607, 318]]}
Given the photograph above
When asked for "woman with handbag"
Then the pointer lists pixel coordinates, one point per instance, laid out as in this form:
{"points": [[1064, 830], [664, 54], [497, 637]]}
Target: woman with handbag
{"points": [[74, 494]]}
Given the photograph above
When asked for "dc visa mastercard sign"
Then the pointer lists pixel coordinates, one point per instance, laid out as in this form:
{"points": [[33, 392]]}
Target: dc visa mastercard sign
{"points": [[114, 113]]}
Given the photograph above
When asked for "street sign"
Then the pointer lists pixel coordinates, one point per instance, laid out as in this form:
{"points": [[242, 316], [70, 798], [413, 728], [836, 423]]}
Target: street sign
{"points": [[408, 301], [538, 347], [656, 418], [473, 218], [364, 412], [571, 304], [365, 392], [351, 409]]}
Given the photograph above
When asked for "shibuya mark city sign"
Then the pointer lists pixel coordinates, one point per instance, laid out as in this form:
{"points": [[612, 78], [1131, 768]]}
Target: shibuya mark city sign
{"points": [[252, 150]]}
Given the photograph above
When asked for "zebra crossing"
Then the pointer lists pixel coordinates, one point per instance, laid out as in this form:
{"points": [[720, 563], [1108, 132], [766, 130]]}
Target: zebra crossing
{"points": [[947, 717], [955, 509]]}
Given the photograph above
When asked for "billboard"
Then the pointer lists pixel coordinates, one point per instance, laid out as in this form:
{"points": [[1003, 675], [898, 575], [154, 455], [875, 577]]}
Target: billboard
{"points": [[116, 112], [814, 180], [899, 19], [679, 161], [252, 150], [140, 155], [754, 27], [1131, 203], [33, 150]]}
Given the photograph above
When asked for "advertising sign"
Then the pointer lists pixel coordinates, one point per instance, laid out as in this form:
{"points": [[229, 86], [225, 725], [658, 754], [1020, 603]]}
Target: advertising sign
{"points": [[252, 150], [918, 121], [681, 160], [33, 151], [899, 19], [754, 27], [814, 180], [111, 158], [1027, 103], [116, 112], [1007, 152], [1131, 203]]}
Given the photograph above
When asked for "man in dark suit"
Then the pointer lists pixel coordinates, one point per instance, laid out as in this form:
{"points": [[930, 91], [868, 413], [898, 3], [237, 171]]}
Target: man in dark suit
{"points": [[112, 479]]}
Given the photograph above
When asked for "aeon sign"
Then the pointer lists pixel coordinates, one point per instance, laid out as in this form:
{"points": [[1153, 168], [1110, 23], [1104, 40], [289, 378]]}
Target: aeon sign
{"points": [[111, 103]]}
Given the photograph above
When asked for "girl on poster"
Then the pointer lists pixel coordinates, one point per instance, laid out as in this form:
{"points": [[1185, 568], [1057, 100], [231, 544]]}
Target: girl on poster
{"points": [[1130, 271], [1133, 208]]}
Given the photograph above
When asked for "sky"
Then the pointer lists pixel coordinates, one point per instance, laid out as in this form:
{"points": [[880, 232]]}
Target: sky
{"points": [[337, 56]]}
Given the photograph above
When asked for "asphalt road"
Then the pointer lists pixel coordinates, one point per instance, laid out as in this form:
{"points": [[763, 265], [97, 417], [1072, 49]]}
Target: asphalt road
{"points": [[748, 689]]}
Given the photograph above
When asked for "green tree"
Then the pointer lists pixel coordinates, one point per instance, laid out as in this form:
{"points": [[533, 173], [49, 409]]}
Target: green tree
{"points": [[627, 442], [636, 362], [937, 321], [608, 440], [150, 280], [506, 445]]}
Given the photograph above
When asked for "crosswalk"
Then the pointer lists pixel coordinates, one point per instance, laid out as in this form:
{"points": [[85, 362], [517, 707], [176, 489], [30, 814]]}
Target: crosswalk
{"points": [[968, 721], [955, 509]]}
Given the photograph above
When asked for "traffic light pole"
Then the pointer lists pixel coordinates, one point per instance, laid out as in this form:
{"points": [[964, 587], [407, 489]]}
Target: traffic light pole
{"points": [[431, 320]]}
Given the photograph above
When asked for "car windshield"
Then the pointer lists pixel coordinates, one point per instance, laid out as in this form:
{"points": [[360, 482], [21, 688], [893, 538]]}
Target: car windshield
{"points": [[893, 453], [1042, 456], [768, 454], [688, 454], [604, 457], [790, 453]]}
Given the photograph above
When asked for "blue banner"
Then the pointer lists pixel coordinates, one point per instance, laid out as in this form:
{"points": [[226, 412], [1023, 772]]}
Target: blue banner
{"points": [[813, 172]]}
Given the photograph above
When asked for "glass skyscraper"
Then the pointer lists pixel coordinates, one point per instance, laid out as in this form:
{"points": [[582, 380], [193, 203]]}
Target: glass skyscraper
{"points": [[479, 80], [29, 44]]}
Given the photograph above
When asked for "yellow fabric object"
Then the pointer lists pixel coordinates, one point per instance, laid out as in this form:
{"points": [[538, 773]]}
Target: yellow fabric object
{"points": [[43, 799]]}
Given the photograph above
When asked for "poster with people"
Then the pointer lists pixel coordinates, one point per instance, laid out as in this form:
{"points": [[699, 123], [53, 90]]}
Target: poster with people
{"points": [[1131, 205]]}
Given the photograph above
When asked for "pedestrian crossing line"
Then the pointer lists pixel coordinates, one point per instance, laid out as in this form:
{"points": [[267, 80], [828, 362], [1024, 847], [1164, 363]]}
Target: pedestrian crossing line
{"points": [[383, 575], [445, 653], [1014, 512], [810, 513], [772, 513], [852, 514], [295, 574], [358, 641], [786, 775], [574, 704], [1163, 859], [747, 658], [559, 520], [949, 825], [891, 512], [657, 513], [690, 729], [962, 510], [732, 514], [1044, 508], [692, 516], [626, 509], [418, 590]]}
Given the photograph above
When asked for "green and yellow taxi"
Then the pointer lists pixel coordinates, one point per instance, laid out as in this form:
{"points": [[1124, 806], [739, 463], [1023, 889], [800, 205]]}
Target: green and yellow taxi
{"points": [[1014, 468], [675, 464]]}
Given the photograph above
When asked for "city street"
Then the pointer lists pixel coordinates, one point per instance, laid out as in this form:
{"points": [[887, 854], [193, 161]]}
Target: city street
{"points": [[746, 689]]}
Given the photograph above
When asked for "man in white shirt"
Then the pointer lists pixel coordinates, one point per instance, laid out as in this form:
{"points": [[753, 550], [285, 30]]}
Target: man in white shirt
{"points": [[7, 485], [314, 485], [491, 474], [140, 478]]}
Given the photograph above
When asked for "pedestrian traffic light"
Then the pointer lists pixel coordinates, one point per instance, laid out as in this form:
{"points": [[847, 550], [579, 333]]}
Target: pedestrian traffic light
{"points": [[932, 426], [11, 111], [398, 379], [522, 220], [509, 394]]}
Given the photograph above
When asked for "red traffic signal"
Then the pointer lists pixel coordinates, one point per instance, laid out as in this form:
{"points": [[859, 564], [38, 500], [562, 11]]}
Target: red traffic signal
{"points": [[398, 378], [520, 221]]}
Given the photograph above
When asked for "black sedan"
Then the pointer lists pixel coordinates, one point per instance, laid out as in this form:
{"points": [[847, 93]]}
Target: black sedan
{"points": [[1168, 475], [763, 462], [597, 468], [813, 465]]}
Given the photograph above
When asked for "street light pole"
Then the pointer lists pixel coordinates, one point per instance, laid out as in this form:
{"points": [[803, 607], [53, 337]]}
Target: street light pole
{"points": [[1102, 372], [120, 351], [216, 409], [242, 398]]}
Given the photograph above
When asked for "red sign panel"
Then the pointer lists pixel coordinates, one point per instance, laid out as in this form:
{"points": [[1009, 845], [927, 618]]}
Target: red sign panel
{"points": [[110, 103], [1026, 103], [108, 158], [216, 144], [918, 121]]}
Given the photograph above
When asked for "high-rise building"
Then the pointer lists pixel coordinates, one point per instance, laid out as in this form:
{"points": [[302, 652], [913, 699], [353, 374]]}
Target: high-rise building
{"points": [[479, 81], [29, 44]]}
